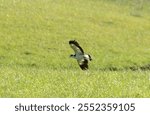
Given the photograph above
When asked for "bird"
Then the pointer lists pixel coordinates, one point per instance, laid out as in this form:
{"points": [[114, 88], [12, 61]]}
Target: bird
{"points": [[79, 55]]}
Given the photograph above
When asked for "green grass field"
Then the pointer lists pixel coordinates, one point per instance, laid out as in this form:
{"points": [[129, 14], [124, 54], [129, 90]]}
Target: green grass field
{"points": [[34, 49]]}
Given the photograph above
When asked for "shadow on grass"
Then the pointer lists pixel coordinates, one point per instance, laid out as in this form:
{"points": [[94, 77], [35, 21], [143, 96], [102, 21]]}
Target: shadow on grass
{"points": [[132, 68]]}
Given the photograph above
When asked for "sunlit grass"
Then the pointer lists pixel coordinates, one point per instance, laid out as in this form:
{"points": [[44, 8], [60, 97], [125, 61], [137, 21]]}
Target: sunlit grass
{"points": [[33, 82]]}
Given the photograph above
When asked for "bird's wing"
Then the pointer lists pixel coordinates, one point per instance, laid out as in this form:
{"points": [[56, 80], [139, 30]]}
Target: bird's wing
{"points": [[76, 47], [83, 64]]}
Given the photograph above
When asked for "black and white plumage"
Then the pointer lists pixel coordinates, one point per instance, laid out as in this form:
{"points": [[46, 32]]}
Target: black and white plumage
{"points": [[81, 57]]}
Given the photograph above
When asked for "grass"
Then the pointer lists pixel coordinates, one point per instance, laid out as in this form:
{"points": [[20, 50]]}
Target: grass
{"points": [[32, 82], [34, 49]]}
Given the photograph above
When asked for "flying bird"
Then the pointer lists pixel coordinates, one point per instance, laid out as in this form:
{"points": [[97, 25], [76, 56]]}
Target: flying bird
{"points": [[79, 55]]}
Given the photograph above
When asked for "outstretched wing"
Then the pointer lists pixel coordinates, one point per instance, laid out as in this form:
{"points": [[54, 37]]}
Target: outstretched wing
{"points": [[83, 64], [76, 47]]}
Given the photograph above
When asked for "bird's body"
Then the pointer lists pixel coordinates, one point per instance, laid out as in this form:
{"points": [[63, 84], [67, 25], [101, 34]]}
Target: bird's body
{"points": [[79, 55]]}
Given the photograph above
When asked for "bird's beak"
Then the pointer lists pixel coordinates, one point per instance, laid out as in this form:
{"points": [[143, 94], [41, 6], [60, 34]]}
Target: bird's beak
{"points": [[71, 55]]}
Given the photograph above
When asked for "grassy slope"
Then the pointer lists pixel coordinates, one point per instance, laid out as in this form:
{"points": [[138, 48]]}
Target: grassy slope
{"points": [[34, 48]]}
